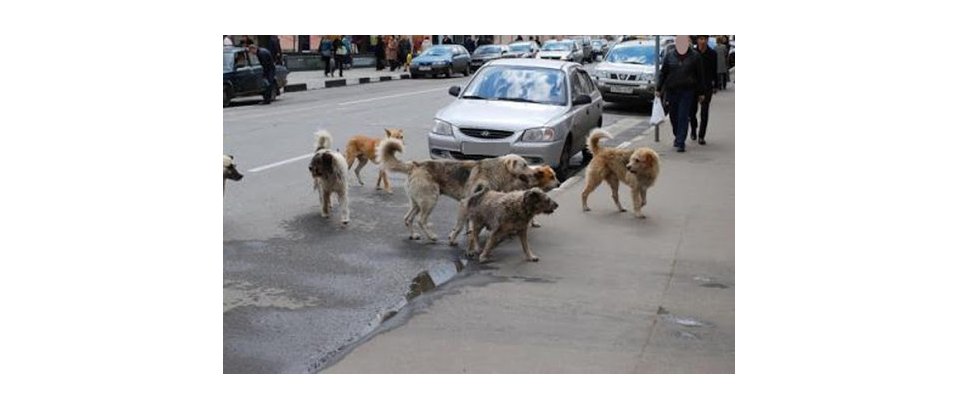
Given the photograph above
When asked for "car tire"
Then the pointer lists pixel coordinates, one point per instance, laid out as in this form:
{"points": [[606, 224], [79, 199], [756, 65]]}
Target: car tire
{"points": [[563, 164], [467, 70], [447, 72], [413, 76], [225, 98]]}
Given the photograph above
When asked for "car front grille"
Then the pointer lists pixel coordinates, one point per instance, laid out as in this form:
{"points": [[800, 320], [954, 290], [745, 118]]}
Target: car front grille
{"points": [[463, 157], [481, 133], [623, 77]]}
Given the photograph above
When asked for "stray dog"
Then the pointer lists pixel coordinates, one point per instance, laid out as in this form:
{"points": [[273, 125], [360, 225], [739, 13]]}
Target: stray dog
{"points": [[428, 180], [504, 214], [229, 171], [638, 168], [546, 180], [329, 171], [363, 149], [507, 173]]}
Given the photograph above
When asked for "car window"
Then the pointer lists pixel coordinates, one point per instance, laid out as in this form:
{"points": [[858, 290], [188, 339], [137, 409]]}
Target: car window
{"points": [[528, 84], [577, 88], [241, 60], [586, 86]]}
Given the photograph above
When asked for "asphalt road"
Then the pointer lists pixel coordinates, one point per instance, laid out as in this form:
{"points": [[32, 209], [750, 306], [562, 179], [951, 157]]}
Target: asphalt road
{"points": [[299, 289]]}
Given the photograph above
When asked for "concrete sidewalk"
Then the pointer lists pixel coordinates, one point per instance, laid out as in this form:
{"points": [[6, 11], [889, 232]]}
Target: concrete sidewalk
{"points": [[316, 79], [611, 294]]}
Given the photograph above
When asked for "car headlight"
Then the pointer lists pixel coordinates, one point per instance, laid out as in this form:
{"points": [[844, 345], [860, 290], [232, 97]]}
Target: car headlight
{"points": [[441, 128], [602, 74], [538, 135]]}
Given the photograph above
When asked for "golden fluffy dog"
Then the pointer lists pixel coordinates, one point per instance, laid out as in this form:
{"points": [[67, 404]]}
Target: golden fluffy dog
{"points": [[364, 149], [638, 168]]}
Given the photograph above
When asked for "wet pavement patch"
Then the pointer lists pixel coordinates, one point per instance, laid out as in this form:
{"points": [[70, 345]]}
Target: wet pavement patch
{"points": [[714, 285], [420, 284], [685, 321]]}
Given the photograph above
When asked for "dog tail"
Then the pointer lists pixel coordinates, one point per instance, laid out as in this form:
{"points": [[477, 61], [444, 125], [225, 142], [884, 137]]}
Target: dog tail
{"points": [[386, 156], [593, 141], [479, 190], [323, 140]]}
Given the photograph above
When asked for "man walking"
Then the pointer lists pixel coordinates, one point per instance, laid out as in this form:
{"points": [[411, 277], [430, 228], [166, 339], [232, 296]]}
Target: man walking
{"points": [[722, 54], [268, 70], [708, 59], [469, 44], [326, 51], [681, 77]]}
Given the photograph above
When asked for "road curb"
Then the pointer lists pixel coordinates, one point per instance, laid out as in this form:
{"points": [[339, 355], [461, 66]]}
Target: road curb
{"points": [[344, 82], [291, 88]]}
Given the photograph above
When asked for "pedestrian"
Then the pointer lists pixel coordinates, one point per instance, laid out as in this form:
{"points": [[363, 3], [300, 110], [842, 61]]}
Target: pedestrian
{"points": [[325, 49], [226, 41], [246, 41], [346, 41], [519, 38], [708, 58], [681, 80], [268, 70], [722, 55], [425, 44], [538, 41], [275, 47], [447, 40], [380, 54], [340, 54], [469, 44], [391, 53], [404, 52]]}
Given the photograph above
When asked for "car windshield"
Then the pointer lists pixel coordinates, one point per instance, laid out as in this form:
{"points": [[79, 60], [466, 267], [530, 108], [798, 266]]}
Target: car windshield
{"points": [[228, 62], [437, 51], [631, 55], [488, 50], [555, 46], [524, 84], [520, 48]]}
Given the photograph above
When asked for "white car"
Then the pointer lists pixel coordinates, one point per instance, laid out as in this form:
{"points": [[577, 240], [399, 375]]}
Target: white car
{"points": [[564, 50], [627, 73]]}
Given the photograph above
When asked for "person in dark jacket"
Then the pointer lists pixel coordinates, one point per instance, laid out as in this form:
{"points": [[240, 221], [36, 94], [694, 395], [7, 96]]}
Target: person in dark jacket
{"points": [[708, 58], [326, 51], [338, 47], [469, 44], [380, 54], [275, 47], [268, 70], [681, 76], [404, 48], [447, 40]]}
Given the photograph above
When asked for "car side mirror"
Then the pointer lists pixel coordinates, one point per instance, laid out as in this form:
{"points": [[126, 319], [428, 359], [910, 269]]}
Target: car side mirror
{"points": [[582, 99], [456, 90]]}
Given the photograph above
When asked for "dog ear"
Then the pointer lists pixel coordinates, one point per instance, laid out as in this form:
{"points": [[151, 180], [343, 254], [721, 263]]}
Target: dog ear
{"points": [[531, 198], [388, 133]]}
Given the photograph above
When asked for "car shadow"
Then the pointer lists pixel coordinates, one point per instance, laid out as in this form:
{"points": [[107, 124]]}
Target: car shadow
{"points": [[639, 108]]}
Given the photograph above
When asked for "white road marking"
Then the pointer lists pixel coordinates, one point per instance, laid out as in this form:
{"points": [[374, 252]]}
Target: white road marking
{"points": [[280, 163], [391, 96]]}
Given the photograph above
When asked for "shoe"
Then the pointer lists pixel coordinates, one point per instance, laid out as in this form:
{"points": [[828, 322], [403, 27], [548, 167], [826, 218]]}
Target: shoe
{"points": [[693, 136], [680, 149], [702, 141]]}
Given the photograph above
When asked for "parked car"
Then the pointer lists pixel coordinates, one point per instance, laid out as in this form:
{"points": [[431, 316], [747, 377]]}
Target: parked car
{"points": [[627, 74], [442, 59], [600, 47], [539, 109], [524, 49], [242, 75], [588, 51], [566, 50], [487, 53]]}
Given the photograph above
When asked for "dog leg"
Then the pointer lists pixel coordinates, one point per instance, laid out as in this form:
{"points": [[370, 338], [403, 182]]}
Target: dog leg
{"points": [[593, 181], [343, 203], [492, 241], [643, 195], [637, 203], [326, 202], [462, 219], [361, 164], [426, 209], [614, 188], [409, 220], [527, 248], [383, 177]]}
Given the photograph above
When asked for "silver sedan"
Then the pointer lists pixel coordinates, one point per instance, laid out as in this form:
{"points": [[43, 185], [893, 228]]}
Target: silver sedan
{"points": [[539, 109]]}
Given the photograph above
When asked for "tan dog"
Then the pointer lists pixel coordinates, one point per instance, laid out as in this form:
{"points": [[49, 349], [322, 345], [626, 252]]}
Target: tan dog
{"points": [[638, 168], [329, 175], [504, 214], [364, 149], [428, 180]]}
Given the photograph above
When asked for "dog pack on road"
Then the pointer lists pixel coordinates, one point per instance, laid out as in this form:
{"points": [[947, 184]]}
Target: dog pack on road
{"points": [[501, 195]]}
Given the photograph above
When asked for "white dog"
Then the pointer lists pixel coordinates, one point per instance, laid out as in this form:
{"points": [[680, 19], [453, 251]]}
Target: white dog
{"points": [[328, 169]]}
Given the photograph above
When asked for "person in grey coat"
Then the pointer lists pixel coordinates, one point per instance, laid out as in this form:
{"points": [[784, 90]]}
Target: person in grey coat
{"points": [[722, 69]]}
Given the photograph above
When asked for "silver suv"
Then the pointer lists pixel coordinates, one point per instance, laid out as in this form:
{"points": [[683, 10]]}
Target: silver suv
{"points": [[627, 73], [540, 109]]}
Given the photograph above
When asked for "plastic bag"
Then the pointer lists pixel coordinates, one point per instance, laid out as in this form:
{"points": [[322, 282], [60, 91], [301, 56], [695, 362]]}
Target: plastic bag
{"points": [[657, 116]]}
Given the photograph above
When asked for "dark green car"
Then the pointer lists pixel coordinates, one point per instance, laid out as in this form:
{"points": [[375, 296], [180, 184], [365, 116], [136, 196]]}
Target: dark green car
{"points": [[242, 75]]}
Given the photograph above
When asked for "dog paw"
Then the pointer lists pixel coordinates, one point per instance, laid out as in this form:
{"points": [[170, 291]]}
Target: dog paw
{"points": [[586, 209], [622, 210], [483, 259], [640, 216], [414, 237], [345, 222], [377, 188], [535, 224], [533, 259]]}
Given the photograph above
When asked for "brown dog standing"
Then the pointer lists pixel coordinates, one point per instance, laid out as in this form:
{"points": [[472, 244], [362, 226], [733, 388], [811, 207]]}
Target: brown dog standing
{"points": [[364, 149], [504, 214], [638, 168]]}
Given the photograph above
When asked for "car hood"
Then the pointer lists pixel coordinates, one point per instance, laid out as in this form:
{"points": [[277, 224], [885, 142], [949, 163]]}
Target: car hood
{"points": [[625, 68], [499, 115], [430, 59], [555, 53]]}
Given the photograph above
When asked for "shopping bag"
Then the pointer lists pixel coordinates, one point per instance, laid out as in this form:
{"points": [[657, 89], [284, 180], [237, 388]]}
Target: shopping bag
{"points": [[657, 116]]}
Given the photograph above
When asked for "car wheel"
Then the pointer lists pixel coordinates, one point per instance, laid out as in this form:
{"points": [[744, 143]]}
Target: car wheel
{"points": [[563, 167], [225, 98], [467, 70], [447, 72], [413, 75]]}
